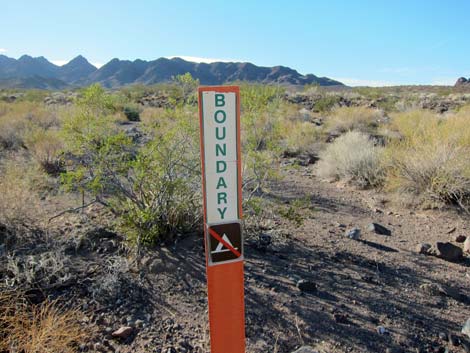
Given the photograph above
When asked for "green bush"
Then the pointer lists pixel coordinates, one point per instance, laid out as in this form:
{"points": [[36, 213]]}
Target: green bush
{"points": [[152, 189], [132, 113]]}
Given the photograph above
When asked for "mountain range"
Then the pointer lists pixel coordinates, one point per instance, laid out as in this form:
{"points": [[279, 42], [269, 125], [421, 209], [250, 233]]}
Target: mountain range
{"points": [[29, 72]]}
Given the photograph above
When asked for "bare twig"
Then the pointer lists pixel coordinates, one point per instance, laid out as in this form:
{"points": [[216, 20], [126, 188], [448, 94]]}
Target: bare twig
{"points": [[71, 210]]}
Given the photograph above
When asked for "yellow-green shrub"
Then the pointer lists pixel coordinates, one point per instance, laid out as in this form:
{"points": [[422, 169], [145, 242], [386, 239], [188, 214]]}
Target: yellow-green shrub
{"points": [[353, 118], [432, 157]]}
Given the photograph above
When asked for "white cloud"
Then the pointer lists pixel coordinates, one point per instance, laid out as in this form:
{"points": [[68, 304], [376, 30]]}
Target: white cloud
{"points": [[197, 59], [59, 62], [359, 82], [2, 50]]}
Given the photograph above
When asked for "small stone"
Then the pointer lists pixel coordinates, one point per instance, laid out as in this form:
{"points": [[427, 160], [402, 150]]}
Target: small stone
{"points": [[460, 238], [423, 248], [466, 328], [354, 233], [340, 318], [432, 289], [378, 229], [307, 286], [381, 330], [443, 336], [123, 332], [305, 349], [139, 323]]}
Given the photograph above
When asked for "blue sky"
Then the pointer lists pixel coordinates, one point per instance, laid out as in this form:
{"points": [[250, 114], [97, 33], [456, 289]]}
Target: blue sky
{"points": [[359, 42]]}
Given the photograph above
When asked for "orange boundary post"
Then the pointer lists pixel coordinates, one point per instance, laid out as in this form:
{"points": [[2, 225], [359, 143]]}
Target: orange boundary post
{"points": [[225, 285]]}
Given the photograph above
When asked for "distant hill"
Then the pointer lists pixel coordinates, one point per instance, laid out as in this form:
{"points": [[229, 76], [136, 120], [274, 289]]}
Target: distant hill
{"points": [[29, 72]]}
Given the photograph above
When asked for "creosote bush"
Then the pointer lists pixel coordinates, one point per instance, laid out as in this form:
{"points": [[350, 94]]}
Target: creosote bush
{"points": [[352, 157], [153, 189]]}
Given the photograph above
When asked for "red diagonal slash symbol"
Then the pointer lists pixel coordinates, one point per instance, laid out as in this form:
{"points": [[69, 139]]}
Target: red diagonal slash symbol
{"points": [[227, 245]]}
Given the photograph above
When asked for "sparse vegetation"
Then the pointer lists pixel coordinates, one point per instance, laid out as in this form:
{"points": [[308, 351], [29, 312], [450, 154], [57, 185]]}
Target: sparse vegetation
{"points": [[353, 157], [82, 188], [431, 159]]}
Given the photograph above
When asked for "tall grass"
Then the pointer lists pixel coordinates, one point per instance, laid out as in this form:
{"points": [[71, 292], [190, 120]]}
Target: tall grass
{"points": [[432, 157], [354, 118]]}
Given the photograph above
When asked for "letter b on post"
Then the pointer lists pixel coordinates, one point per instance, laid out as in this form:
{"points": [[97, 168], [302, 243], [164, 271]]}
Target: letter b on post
{"points": [[219, 100]]}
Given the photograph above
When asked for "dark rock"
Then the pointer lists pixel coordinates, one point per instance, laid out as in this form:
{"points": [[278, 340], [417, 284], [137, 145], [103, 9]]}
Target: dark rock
{"points": [[448, 251], [462, 81], [307, 286], [378, 229], [423, 248], [460, 238], [454, 340], [465, 345], [341, 318]]}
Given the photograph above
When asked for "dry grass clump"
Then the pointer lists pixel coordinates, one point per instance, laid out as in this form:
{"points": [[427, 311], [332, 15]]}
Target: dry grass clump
{"points": [[45, 147], [353, 157], [20, 203], [354, 118], [16, 119], [298, 133], [432, 157], [43, 328]]}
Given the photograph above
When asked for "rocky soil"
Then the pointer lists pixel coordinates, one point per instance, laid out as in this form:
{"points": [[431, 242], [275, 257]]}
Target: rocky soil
{"points": [[333, 269]]}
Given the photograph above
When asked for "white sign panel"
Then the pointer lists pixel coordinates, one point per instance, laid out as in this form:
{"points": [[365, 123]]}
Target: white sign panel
{"points": [[220, 125]]}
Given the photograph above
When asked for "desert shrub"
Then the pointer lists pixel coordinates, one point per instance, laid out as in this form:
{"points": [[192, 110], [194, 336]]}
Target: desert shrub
{"points": [[46, 147], [20, 185], [151, 188], [353, 118], [132, 112], [352, 157], [17, 119], [432, 158], [261, 134], [184, 90], [43, 269], [151, 115], [326, 103], [46, 327], [168, 164], [300, 136]]}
